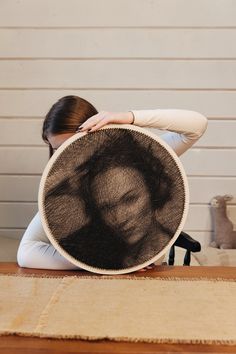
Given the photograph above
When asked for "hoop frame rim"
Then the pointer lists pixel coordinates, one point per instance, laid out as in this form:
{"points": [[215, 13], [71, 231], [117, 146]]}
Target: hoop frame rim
{"points": [[82, 265]]}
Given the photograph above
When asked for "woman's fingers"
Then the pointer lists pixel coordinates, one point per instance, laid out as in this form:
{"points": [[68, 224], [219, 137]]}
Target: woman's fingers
{"points": [[142, 270], [151, 266], [95, 122], [103, 118], [99, 125]]}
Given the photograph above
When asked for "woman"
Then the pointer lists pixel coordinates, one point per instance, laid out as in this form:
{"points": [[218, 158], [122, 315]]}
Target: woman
{"points": [[71, 114]]}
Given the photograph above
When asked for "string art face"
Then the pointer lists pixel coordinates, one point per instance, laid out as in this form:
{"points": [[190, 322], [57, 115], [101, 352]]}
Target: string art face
{"points": [[113, 201]]}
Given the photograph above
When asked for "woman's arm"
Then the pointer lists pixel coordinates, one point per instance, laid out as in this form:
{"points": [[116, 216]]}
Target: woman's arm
{"points": [[35, 250], [184, 127]]}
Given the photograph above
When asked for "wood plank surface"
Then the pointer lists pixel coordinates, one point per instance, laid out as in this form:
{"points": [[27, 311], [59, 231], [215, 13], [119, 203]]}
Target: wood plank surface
{"points": [[99, 43], [28, 103], [119, 55], [106, 74], [110, 13]]}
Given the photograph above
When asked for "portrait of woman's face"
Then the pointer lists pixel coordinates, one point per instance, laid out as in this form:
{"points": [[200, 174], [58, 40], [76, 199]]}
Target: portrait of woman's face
{"points": [[109, 201], [123, 201]]}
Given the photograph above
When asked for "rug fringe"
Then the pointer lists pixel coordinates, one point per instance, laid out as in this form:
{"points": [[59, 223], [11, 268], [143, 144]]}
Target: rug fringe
{"points": [[124, 339], [114, 277]]}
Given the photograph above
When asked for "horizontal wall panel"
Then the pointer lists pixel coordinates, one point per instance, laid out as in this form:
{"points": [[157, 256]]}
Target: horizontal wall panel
{"points": [[204, 237], [198, 162], [20, 160], [8, 249], [100, 43], [199, 217], [11, 132], [203, 162], [12, 233], [140, 13], [36, 103], [181, 74], [218, 133], [19, 188], [202, 189], [18, 215]]}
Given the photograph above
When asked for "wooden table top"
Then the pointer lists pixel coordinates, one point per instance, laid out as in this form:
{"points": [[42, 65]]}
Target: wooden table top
{"points": [[24, 345]]}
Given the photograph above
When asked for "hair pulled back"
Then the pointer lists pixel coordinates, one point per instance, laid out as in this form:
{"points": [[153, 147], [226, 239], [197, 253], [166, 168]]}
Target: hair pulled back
{"points": [[65, 116]]}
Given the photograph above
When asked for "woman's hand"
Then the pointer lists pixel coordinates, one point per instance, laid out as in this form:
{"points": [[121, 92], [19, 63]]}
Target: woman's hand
{"points": [[151, 266], [103, 118]]}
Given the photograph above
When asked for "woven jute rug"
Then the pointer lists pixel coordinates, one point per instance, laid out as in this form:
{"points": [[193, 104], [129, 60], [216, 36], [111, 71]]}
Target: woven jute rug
{"points": [[135, 309]]}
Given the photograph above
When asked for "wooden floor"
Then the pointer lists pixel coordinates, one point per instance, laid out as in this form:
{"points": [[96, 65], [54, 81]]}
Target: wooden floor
{"points": [[24, 345]]}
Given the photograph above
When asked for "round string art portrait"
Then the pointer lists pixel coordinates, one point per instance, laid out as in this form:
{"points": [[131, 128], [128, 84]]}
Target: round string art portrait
{"points": [[117, 205]]}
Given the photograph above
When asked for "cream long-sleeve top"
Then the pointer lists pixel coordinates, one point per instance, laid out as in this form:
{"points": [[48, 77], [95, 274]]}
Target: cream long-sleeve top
{"points": [[184, 128]]}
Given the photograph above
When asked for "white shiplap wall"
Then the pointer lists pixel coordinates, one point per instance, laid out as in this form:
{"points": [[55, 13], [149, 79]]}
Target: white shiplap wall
{"points": [[120, 55]]}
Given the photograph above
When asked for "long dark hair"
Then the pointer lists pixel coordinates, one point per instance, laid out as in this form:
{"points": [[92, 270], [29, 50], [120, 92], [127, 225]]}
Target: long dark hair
{"points": [[65, 116]]}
